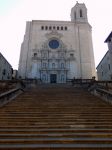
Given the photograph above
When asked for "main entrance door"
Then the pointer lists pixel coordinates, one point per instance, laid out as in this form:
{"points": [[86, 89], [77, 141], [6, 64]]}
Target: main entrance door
{"points": [[53, 78]]}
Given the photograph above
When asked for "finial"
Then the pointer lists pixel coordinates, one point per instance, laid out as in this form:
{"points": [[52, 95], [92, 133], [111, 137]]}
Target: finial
{"points": [[76, 1]]}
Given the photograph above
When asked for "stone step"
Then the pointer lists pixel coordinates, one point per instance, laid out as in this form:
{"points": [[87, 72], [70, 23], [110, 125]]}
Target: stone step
{"points": [[90, 135], [53, 125], [55, 140], [56, 118], [59, 146], [26, 128], [57, 124]]}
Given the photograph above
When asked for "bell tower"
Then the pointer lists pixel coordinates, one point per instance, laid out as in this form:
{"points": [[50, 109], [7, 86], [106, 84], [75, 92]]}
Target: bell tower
{"points": [[79, 13]]}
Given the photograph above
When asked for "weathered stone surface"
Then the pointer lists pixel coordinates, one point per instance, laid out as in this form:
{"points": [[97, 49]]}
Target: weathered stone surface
{"points": [[55, 51]]}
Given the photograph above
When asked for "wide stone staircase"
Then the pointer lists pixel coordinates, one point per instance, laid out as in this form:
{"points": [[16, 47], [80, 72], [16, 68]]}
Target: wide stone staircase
{"points": [[56, 117]]}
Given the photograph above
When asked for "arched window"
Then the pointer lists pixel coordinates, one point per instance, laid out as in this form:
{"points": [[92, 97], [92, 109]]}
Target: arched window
{"points": [[53, 65], [62, 78], [44, 65], [65, 28], [61, 28], [50, 28], [57, 28], [42, 27], [44, 55], [44, 77], [62, 65], [46, 27], [81, 13]]}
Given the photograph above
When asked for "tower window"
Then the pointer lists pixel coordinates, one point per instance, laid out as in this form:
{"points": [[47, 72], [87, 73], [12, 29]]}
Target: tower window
{"points": [[81, 13], [54, 27]]}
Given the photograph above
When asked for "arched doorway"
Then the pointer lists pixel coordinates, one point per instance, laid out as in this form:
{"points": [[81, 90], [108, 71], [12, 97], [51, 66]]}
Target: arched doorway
{"points": [[53, 78]]}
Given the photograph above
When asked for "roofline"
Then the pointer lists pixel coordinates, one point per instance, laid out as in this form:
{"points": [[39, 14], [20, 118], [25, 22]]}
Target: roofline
{"points": [[5, 59], [109, 36], [51, 21], [59, 21], [102, 59]]}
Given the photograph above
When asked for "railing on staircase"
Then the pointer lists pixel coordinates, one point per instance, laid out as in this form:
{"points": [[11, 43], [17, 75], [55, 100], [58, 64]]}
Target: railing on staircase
{"points": [[10, 94], [102, 89]]}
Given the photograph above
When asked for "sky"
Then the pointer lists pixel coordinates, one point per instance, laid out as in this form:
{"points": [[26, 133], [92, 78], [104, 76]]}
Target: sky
{"points": [[15, 13]]}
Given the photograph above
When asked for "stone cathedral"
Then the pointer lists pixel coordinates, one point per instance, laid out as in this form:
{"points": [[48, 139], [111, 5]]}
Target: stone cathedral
{"points": [[56, 51]]}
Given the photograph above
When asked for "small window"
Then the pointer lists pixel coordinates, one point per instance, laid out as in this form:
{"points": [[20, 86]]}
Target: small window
{"points": [[50, 28], [65, 28], [71, 55], [57, 28], [4, 72], [54, 27], [102, 74], [42, 27], [81, 13], [61, 28], [35, 54], [46, 27]]}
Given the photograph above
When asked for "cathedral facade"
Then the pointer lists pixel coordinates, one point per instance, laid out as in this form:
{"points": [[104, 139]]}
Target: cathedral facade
{"points": [[55, 51]]}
